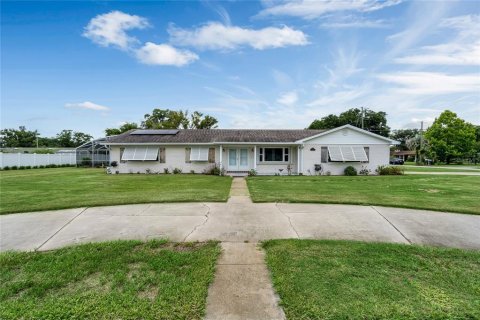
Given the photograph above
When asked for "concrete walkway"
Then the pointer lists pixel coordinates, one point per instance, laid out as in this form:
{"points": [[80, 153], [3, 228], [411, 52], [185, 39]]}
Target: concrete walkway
{"points": [[238, 220], [242, 288]]}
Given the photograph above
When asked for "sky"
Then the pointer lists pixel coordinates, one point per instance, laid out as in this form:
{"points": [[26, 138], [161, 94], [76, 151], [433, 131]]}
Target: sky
{"points": [[92, 65]]}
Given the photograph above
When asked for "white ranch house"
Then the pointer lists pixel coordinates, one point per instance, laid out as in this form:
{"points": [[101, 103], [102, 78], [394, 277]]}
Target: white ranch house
{"points": [[268, 152]]}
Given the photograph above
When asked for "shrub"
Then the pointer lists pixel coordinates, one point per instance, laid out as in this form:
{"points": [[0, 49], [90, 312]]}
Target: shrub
{"points": [[41, 167], [214, 170], [252, 173], [177, 171], [44, 151], [148, 171], [28, 167], [389, 171], [166, 171], [192, 171], [114, 163], [6, 168], [14, 168], [21, 168], [53, 166], [364, 171], [350, 171], [35, 167], [86, 162]]}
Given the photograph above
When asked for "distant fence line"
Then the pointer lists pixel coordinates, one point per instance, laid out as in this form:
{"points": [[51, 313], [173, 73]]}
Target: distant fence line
{"points": [[29, 159]]}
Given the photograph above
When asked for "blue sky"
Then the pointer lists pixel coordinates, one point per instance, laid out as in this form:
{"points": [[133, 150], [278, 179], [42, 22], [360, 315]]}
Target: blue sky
{"points": [[91, 65]]}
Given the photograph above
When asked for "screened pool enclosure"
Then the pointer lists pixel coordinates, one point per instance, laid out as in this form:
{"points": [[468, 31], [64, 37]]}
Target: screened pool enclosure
{"points": [[93, 154]]}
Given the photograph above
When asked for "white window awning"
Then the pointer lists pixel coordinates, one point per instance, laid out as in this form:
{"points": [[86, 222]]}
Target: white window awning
{"points": [[199, 154], [347, 153], [140, 154]]}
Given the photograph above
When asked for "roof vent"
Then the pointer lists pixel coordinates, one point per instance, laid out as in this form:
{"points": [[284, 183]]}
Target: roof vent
{"points": [[155, 132]]}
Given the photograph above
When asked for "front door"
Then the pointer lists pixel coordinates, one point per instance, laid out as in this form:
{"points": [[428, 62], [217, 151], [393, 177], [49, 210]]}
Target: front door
{"points": [[237, 159]]}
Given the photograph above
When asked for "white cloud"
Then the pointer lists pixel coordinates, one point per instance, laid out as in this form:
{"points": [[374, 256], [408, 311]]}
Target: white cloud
{"points": [[311, 9], [355, 23], [215, 35], [419, 27], [281, 78], [464, 49], [339, 98], [429, 83], [288, 98], [345, 65], [164, 54], [87, 105], [109, 29]]}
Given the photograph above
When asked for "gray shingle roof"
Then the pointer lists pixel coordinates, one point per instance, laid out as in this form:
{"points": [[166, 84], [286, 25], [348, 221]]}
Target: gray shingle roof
{"points": [[216, 136]]}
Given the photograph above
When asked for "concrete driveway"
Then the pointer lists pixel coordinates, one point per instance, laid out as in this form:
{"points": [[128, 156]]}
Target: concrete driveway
{"points": [[238, 220]]}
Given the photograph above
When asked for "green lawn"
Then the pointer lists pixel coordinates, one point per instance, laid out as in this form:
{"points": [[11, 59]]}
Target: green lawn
{"points": [[434, 192], [48, 189], [113, 280], [353, 280], [440, 169]]}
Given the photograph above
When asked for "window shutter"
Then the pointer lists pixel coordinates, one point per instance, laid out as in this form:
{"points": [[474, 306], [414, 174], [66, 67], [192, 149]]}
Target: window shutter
{"points": [[211, 155], [162, 155], [187, 155]]}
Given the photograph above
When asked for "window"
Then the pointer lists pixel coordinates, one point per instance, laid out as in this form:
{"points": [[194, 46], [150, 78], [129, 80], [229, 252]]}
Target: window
{"points": [[122, 150], [211, 155], [140, 154], [274, 155], [324, 155], [367, 153], [199, 154], [347, 154], [161, 156]]}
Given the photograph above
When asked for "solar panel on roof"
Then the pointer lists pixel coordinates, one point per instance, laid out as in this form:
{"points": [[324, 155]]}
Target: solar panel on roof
{"points": [[156, 132]]}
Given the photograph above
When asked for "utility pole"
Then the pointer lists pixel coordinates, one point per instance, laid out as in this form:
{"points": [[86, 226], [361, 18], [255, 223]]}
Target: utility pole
{"points": [[362, 116], [421, 140]]}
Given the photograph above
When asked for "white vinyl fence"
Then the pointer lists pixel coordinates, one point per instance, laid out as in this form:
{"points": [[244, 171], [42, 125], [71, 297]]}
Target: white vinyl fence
{"points": [[32, 159]]}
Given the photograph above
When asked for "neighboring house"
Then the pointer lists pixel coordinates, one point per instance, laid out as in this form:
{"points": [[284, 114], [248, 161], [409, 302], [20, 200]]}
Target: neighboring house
{"points": [[405, 154], [268, 152]]}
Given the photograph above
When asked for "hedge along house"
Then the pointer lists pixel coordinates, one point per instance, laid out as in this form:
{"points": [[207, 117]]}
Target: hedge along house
{"points": [[268, 152]]}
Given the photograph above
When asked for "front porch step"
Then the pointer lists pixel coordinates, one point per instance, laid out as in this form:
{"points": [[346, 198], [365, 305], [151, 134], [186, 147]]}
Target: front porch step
{"points": [[237, 173]]}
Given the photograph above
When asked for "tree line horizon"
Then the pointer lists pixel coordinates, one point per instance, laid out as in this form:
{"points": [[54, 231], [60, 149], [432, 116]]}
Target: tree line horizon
{"points": [[448, 138]]}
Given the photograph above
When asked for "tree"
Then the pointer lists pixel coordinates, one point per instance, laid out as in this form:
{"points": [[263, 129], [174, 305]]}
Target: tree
{"points": [[375, 122], [404, 135], [196, 121], [21, 138], [71, 139], [171, 119], [476, 156], [123, 128], [450, 137]]}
